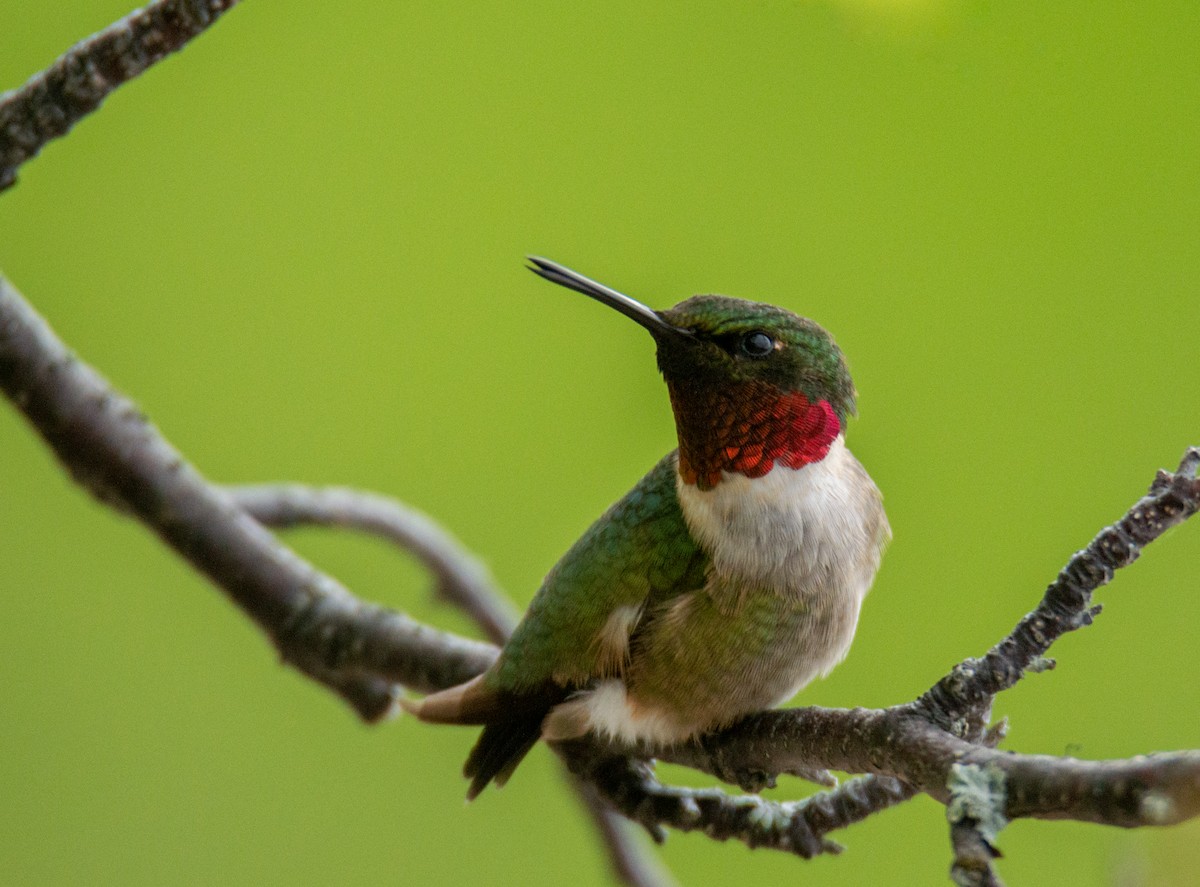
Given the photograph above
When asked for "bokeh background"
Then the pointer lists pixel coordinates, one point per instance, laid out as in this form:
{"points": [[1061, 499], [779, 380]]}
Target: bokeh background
{"points": [[298, 245]]}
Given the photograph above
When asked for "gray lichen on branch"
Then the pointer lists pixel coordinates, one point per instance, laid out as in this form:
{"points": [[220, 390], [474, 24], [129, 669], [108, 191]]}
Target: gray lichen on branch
{"points": [[976, 814]]}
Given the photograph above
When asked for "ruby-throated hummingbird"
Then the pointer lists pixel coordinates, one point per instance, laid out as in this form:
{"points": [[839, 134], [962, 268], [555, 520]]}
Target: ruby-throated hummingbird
{"points": [[728, 578]]}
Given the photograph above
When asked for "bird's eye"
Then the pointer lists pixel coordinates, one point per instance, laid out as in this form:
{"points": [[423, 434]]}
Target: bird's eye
{"points": [[756, 344]]}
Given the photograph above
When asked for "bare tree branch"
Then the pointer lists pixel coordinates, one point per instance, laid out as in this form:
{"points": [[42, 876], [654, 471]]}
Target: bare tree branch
{"points": [[973, 857], [51, 102], [1160, 789], [799, 827]]}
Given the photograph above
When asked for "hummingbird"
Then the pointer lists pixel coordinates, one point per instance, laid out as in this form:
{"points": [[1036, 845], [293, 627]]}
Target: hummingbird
{"points": [[726, 580]]}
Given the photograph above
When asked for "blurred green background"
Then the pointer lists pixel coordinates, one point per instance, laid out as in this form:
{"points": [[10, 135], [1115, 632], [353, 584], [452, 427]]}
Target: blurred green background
{"points": [[298, 245]]}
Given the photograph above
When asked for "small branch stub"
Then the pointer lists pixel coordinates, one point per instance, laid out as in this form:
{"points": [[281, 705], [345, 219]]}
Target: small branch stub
{"points": [[977, 796], [976, 815]]}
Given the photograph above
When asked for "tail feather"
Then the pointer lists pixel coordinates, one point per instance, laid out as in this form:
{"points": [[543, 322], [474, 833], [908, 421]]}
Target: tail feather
{"points": [[470, 703], [498, 751], [512, 723]]}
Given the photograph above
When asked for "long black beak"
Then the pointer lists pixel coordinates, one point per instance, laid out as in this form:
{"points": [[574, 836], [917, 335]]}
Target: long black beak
{"points": [[631, 308]]}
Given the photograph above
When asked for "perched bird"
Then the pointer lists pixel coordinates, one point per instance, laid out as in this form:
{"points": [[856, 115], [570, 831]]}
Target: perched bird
{"points": [[728, 578]]}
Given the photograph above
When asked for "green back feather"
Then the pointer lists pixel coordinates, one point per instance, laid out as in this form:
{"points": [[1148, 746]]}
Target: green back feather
{"points": [[638, 553]]}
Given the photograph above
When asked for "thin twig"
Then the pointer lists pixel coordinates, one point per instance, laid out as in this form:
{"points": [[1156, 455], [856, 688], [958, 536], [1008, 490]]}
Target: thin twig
{"points": [[798, 827], [1066, 605], [462, 579], [630, 861], [52, 102], [629, 784], [973, 858]]}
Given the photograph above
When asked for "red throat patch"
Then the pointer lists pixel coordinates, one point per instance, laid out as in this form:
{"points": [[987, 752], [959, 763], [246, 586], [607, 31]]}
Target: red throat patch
{"points": [[749, 430]]}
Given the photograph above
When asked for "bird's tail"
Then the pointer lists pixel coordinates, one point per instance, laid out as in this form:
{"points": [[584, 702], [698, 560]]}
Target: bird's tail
{"points": [[512, 723], [498, 751]]}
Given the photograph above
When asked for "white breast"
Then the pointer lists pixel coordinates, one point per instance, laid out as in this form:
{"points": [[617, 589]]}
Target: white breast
{"points": [[810, 531]]}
